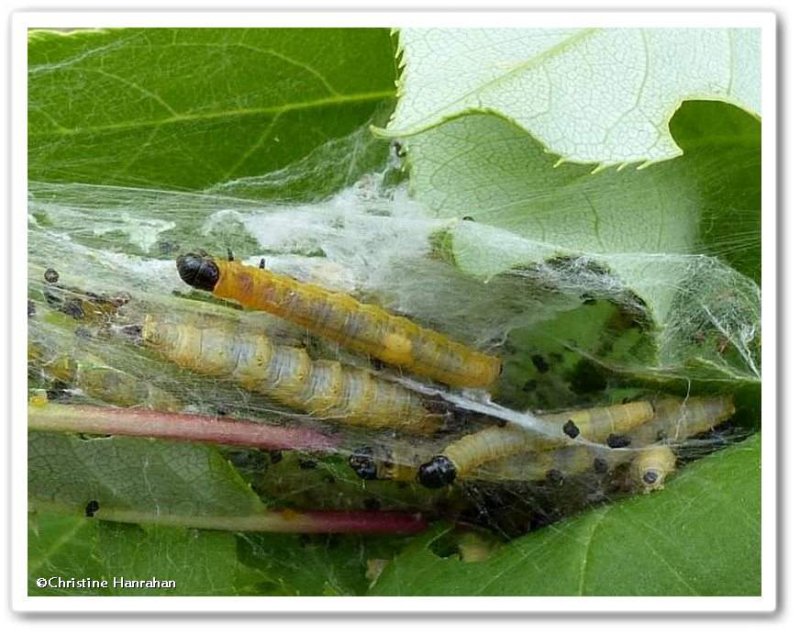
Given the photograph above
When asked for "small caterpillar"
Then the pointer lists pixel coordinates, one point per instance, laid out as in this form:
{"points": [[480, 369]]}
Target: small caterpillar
{"points": [[648, 468], [321, 388], [99, 381], [676, 420], [598, 425], [550, 465], [651, 466], [398, 463], [364, 328]]}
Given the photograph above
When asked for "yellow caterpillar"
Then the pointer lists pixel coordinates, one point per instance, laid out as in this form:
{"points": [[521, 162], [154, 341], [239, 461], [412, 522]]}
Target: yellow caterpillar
{"points": [[100, 382], [597, 425], [321, 388], [649, 467], [396, 463], [676, 420], [364, 328]]}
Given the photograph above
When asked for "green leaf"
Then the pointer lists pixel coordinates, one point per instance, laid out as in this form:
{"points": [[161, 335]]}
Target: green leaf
{"points": [[699, 536], [195, 108], [647, 227], [135, 474], [589, 95], [315, 565], [198, 562]]}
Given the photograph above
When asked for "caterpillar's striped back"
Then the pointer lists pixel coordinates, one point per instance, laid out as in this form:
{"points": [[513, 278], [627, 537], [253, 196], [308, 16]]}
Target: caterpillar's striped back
{"points": [[364, 328], [597, 425], [322, 388]]}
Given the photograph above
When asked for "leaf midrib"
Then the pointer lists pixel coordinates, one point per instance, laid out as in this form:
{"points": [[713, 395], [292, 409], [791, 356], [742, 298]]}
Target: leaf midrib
{"points": [[325, 102]]}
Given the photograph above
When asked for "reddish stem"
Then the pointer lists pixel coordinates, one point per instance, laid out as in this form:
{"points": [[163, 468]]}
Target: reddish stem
{"points": [[284, 521], [135, 422]]}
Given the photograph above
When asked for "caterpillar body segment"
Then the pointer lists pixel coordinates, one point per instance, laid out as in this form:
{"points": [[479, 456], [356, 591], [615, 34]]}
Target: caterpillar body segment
{"points": [[648, 467], [400, 463], [363, 328], [596, 425], [651, 466], [676, 420], [100, 382], [556, 463], [321, 388]]}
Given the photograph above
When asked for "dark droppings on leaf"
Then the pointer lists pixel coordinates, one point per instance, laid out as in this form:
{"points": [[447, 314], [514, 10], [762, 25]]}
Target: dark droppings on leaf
{"points": [[275, 456], [51, 276], [306, 463], [372, 504], [92, 507], [540, 362], [588, 377], [57, 391], [74, 309]]}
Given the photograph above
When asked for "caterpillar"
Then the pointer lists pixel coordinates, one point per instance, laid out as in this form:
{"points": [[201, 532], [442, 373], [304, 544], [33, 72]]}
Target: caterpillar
{"points": [[648, 467], [98, 381], [550, 465], [363, 328], [597, 425], [324, 389], [651, 466], [676, 420], [398, 463]]}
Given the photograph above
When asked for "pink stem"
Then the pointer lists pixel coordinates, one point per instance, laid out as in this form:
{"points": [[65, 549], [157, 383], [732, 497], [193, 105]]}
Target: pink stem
{"points": [[136, 422]]}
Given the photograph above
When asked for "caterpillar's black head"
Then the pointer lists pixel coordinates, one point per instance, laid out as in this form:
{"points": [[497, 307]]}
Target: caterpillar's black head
{"points": [[198, 271], [363, 464], [437, 472], [650, 477]]}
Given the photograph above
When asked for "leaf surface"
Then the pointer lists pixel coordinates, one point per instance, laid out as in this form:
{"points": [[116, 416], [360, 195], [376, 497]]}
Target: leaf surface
{"points": [[195, 108], [589, 95], [699, 536]]}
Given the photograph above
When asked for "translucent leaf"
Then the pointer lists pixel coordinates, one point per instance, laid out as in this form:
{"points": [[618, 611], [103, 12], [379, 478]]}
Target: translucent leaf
{"points": [[589, 95]]}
